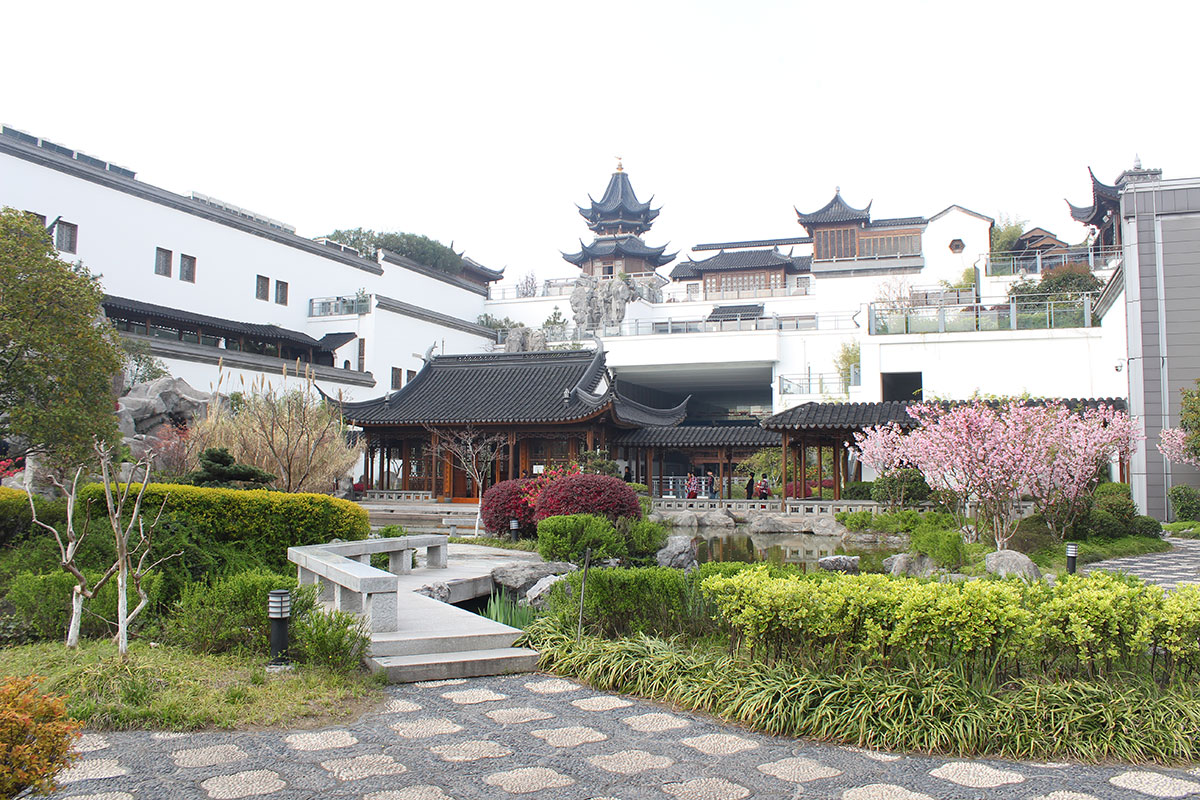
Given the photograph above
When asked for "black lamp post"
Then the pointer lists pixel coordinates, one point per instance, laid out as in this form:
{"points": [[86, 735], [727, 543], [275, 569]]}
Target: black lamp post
{"points": [[514, 526], [1072, 554], [279, 609]]}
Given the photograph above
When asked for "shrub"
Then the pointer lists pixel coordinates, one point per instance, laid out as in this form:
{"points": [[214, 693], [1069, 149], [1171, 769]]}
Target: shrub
{"points": [[16, 523], [904, 521], [1115, 498], [1143, 525], [1100, 525], [503, 502], [334, 640], [900, 488], [41, 603], [618, 602], [261, 523], [944, 545], [857, 490], [566, 538], [587, 494], [1032, 534], [1186, 502], [230, 614], [641, 536], [35, 738]]}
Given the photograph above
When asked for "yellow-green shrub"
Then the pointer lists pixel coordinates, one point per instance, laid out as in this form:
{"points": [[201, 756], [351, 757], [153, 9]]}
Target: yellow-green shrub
{"points": [[35, 737], [264, 523]]}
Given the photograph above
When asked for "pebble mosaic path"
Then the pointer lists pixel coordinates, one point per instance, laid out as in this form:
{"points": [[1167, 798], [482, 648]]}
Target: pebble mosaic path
{"points": [[1172, 568], [537, 736]]}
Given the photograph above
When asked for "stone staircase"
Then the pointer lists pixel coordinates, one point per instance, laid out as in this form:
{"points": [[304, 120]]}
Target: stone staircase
{"points": [[423, 516]]}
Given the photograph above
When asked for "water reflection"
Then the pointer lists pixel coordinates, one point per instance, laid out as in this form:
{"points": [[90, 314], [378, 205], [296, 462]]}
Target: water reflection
{"points": [[801, 549]]}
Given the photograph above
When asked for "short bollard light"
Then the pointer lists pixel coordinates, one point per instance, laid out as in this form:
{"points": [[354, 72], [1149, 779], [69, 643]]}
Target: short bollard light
{"points": [[514, 526], [279, 609], [1072, 554]]}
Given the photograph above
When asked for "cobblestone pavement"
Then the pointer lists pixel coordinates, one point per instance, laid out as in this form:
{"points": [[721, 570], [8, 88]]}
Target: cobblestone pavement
{"points": [[539, 736], [1169, 569]]}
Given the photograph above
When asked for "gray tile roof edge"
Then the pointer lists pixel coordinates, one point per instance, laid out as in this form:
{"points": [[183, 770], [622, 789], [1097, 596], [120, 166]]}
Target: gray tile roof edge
{"points": [[407, 309]]}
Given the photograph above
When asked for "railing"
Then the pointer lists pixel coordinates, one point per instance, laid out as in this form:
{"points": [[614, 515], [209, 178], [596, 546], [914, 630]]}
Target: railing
{"points": [[819, 382], [394, 495], [337, 306], [1015, 262], [756, 294], [1026, 312], [556, 287], [671, 326], [346, 580]]}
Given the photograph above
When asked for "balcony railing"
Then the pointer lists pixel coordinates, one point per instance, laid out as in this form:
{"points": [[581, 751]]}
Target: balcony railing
{"points": [[819, 383], [1026, 263], [753, 294], [664, 327], [338, 306], [1026, 312], [557, 287]]}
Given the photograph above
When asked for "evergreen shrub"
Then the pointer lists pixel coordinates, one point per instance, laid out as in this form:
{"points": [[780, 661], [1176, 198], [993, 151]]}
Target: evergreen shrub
{"points": [[642, 537], [230, 614], [900, 488], [580, 493], [41, 603], [857, 490], [16, 522], [619, 602], [504, 502], [1116, 499], [944, 545], [1146, 526], [1186, 502], [335, 640], [566, 538]]}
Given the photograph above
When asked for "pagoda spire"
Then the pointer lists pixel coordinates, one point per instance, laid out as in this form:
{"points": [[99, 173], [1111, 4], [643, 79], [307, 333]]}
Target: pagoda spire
{"points": [[618, 219]]}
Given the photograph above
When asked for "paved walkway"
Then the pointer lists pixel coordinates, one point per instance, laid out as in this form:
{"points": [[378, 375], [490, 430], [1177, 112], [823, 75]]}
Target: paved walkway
{"points": [[538, 736], [1168, 569]]}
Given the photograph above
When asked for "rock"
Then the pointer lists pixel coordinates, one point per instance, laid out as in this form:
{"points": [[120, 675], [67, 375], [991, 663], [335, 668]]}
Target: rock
{"points": [[438, 591], [715, 519], [890, 562], [848, 564], [539, 593], [913, 565], [166, 399], [678, 553], [777, 523], [519, 578], [1009, 562], [682, 519]]}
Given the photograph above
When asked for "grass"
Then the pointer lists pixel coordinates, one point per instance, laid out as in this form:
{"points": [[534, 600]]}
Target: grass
{"points": [[528, 545], [1188, 529], [1054, 558], [503, 609], [168, 688]]}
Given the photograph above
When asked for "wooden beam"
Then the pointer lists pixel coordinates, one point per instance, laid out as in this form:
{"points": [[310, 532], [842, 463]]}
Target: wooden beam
{"points": [[405, 469]]}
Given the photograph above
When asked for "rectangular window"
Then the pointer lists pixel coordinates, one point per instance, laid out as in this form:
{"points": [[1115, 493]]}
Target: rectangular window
{"points": [[262, 287], [281, 293], [362, 355], [187, 268], [66, 236], [162, 262], [412, 373], [397, 377]]}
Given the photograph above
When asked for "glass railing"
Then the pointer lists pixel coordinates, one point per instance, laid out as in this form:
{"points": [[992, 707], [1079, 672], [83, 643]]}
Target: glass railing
{"points": [[1015, 262], [1026, 312], [338, 306]]}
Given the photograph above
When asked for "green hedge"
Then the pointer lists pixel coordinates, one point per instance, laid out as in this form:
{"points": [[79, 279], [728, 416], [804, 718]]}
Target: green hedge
{"points": [[16, 521], [41, 604], [1093, 625], [1186, 502], [261, 523], [229, 614]]}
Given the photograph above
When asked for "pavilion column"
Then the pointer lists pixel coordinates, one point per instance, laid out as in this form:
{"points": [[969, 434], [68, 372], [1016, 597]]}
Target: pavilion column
{"points": [[786, 446], [368, 462], [591, 439], [405, 454], [433, 463], [573, 449], [382, 466], [820, 470], [448, 474], [803, 468], [721, 473], [837, 476], [650, 471]]}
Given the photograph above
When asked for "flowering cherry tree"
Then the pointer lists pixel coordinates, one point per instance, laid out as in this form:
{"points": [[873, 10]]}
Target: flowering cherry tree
{"points": [[882, 447], [1173, 444]]}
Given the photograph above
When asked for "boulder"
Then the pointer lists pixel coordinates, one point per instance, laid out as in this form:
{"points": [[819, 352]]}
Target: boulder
{"points": [[539, 593], [913, 565], [519, 578], [847, 564], [777, 523], [438, 591], [681, 519], [678, 553], [716, 519], [1009, 562]]}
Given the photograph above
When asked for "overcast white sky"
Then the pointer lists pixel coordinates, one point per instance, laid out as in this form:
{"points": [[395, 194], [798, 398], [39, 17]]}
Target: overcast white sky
{"points": [[484, 123]]}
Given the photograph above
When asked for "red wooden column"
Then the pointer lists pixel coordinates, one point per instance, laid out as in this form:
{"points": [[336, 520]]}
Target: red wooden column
{"points": [[786, 444], [434, 487], [650, 470], [837, 475], [803, 467], [405, 454]]}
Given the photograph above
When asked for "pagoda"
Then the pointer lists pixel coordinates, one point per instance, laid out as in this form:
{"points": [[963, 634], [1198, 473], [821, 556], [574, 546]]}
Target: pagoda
{"points": [[1105, 211], [618, 220]]}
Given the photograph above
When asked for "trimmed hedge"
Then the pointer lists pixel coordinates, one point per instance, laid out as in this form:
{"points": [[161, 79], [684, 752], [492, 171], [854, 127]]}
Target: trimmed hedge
{"points": [[618, 602], [16, 523], [566, 538], [587, 494], [263, 523], [503, 502], [857, 490], [1186, 502], [1116, 499]]}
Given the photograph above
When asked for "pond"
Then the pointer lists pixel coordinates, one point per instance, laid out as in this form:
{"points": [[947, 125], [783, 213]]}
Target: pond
{"points": [[801, 549]]}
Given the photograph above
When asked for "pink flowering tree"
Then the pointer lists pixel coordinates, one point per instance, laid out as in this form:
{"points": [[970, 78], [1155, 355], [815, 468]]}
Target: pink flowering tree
{"points": [[881, 447], [1173, 444], [1182, 445]]}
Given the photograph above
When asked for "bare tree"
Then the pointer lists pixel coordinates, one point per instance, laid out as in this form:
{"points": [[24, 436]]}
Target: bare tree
{"points": [[528, 285], [474, 451]]}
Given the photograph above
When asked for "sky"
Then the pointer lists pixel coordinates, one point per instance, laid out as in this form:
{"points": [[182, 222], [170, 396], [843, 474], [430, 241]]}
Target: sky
{"points": [[483, 124]]}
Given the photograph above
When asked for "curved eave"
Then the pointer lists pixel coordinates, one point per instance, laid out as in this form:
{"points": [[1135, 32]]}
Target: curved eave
{"points": [[650, 417]]}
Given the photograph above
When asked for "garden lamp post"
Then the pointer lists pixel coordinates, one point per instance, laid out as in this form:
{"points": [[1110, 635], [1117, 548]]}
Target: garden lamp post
{"points": [[279, 609], [514, 526], [1072, 554]]}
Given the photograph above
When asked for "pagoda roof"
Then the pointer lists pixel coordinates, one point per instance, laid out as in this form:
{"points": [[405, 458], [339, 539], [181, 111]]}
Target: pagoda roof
{"points": [[619, 205], [739, 312], [742, 259], [115, 305], [1105, 198], [623, 247], [843, 417], [556, 386], [897, 222], [685, 436], [834, 212]]}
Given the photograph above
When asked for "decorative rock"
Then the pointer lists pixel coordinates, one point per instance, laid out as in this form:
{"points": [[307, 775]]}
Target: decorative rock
{"points": [[678, 553], [437, 590], [716, 519], [539, 593], [776, 523], [847, 564], [681, 519], [1009, 562], [520, 578], [914, 565]]}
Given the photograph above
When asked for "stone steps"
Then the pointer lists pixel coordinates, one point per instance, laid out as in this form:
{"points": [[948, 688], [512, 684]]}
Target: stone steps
{"points": [[413, 643], [462, 664]]}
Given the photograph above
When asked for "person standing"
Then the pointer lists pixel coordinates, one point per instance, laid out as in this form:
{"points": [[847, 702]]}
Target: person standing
{"points": [[713, 493], [750, 487]]}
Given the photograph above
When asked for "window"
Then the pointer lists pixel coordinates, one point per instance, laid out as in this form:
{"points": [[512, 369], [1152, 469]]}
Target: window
{"points": [[66, 235], [162, 262], [262, 287], [187, 268], [281, 293], [412, 373], [397, 377], [362, 355]]}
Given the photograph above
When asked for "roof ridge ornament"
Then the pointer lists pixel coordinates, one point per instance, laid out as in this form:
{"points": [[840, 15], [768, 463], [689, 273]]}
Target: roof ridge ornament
{"points": [[620, 166]]}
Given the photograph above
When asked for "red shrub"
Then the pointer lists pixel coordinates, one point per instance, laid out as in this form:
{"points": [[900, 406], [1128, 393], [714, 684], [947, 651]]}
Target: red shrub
{"points": [[588, 494], [35, 737], [506, 501]]}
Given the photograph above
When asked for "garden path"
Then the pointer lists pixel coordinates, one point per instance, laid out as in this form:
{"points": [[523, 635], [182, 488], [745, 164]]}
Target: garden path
{"points": [[539, 736], [1168, 569]]}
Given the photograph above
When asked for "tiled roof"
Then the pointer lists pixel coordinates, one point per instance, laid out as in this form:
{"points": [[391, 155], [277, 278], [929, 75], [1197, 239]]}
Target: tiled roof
{"points": [[625, 247], [332, 341], [619, 205], [856, 416], [836, 210], [699, 436], [897, 222], [753, 243], [493, 388], [748, 311], [742, 259], [225, 326]]}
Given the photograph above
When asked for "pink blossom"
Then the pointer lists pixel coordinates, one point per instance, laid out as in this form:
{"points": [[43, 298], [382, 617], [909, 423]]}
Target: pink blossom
{"points": [[1173, 444]]}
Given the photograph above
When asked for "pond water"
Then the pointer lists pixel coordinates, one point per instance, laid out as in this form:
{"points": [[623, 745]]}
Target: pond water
{"points": [[739, 544]]}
